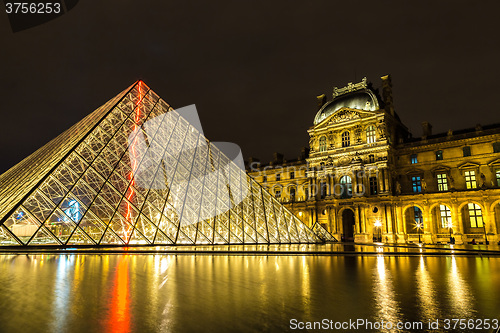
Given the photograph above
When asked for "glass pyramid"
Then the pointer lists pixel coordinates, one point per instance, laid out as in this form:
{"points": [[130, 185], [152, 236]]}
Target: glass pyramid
{"points": [[135, 171]]}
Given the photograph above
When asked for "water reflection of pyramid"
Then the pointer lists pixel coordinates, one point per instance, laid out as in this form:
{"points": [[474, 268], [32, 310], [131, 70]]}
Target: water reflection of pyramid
{"points": [[136, 172]]}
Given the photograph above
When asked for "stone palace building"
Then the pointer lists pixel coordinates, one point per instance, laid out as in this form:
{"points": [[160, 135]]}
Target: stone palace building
{"points": [[365, 178]]}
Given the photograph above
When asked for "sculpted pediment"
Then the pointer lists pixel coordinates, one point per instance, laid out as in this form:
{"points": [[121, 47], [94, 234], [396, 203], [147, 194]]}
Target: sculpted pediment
{"points": [[345, 115]]}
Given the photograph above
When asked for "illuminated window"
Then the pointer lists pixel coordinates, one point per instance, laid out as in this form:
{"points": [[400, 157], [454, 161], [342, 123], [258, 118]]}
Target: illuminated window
{"points": [[442, 182], [322, 143], [470, 179], [417, 213], [346, 140], [439, 155], [445, 213], [414, 159], [278, 177], [292, 194], [475, 215], [373, 185], [370, 134], [466, 151], [371, 158], [277, 194], [346, 184], [416, 184], [498, 176]]}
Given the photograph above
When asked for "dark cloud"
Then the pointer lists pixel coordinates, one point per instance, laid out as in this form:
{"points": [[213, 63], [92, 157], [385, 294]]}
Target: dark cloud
{"points": [[253, 68]]}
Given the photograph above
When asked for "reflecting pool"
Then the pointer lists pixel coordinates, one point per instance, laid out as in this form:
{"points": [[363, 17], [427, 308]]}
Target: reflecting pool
{"points": [[221, 293]]}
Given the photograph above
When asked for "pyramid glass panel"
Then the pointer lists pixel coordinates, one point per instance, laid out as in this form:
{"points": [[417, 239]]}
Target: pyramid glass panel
{"points": [[137, 172]]}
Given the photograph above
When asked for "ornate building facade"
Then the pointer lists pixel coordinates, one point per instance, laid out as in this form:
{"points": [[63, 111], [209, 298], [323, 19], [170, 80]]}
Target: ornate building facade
{"points": [[366, 178]]}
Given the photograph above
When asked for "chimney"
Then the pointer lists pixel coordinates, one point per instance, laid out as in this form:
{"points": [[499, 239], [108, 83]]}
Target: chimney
{"points": [[303, 153], [278, 158], [254, 162], [426, 129], [387, 94], [321, 100]]}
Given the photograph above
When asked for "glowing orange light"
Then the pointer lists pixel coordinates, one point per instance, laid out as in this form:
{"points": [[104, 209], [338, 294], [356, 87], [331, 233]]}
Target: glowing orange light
{"points": [[133, 162], [119, 319]]}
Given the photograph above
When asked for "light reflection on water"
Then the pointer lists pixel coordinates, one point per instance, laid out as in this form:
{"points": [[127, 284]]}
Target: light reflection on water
{"points": [[187, 293]]}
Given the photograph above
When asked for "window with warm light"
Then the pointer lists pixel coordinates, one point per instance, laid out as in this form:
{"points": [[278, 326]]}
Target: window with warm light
{"points": [[470, 179], [445, 213], [498, 176], [346, 139], [442, 181], [475, 215], [416, 182], [322, 143], [370, 134]]}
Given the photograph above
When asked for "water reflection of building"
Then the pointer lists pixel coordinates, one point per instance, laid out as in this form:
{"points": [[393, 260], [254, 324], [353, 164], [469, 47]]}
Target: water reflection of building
{"points": [[364, 167]]}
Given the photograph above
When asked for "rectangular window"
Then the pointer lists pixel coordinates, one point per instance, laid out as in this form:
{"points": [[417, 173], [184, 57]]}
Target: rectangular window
{"points": [[470, 179], [466, 151], [442, 182], [498, 176], [445, 213], [439, 155], [373, 185], [264, 179], [414, 159], [496, 147], [416, 184], [475, 215], [277, 194], [292, 174], [371, 158], [278, 177]]}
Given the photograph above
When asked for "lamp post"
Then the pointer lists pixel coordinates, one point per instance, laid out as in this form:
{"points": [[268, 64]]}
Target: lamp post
{"points": [[485, 237], [450, 226], [419, 226], [378, 225]]}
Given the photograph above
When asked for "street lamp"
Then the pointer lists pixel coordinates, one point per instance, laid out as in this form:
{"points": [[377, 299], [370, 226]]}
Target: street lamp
{"points": [[450, 226], [378, 225], [419, 225]]}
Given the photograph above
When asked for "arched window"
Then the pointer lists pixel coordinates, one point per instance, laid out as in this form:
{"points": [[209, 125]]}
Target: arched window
{"points": [[346, 184], [292, 194], [322, 143], [346, 139], [418, 216], [370, 134], [445, 213], [475, 215]]}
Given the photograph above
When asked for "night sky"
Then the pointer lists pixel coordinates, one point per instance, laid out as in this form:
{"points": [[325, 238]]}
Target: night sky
{"points": [[253, 68]]}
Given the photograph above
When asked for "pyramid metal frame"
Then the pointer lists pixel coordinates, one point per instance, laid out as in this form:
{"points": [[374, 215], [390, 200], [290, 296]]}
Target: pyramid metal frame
{"points": [[84, 187]]}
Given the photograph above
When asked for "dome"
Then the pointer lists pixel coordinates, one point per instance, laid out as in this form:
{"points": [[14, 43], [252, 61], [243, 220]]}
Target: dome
{"points": [[360, 100]]}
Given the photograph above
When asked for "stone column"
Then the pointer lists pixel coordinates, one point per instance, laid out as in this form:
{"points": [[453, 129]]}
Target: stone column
{"points": [[386, 180], [380, 181]]}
